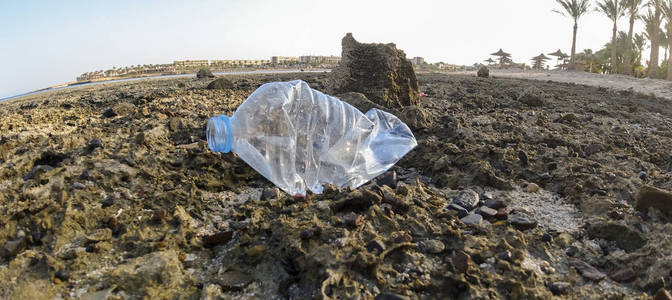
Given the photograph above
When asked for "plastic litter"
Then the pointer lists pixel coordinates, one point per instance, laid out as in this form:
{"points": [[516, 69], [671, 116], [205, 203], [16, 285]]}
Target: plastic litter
{"points": [[300, 138]]}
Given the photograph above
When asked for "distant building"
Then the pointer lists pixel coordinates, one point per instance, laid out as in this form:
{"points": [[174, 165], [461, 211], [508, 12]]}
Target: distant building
{"points": [[191, 63], [313, 59], [418, 61], [281, 60]]}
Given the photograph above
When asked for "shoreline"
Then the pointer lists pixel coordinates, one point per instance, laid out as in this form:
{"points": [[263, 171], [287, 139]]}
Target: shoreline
{"points": [[73, 84]]}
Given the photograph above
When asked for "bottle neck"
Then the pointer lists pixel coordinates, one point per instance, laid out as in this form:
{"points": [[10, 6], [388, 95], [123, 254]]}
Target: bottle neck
{"points": [[219, 134]]}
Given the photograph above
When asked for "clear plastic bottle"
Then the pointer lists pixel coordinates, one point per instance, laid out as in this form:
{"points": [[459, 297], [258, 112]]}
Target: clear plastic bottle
{"points": [[300, 138]]}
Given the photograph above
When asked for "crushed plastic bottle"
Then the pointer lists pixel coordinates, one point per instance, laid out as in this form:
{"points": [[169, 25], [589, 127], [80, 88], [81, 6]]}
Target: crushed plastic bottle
{"points": [[300, 138]]}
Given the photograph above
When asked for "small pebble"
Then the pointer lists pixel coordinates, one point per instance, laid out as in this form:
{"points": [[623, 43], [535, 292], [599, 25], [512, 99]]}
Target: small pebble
{"points": [[532, 188], [78, 186], [95, 143], [108, 202], [63, 275], [375, 246], [522, 222], [546, 237], [495, 204], [461, 212], [352, 219], [472, 219], [306, 234], [486, 212], [558, 288], [433, 246]]}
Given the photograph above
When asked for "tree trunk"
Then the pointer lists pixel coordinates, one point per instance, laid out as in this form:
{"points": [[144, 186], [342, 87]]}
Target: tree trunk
{"points": [[628, 49], [614, 67], [571, 58], [669, 58], [655, 45]]}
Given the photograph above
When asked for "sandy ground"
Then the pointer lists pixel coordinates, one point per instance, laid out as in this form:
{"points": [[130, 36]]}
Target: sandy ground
{"points": [[657, 87]]}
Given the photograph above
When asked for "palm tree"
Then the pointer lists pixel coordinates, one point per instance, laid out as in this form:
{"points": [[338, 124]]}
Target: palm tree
{"points": [[632, 8], [574, 9], [613, 10], [666, 7], [652, 21], [654, 36]]}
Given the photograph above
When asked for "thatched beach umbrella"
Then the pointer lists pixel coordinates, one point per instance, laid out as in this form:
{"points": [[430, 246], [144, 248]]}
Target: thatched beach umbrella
{"points": [[489, 61], [560, 56], [502, 56], [539, 61]]}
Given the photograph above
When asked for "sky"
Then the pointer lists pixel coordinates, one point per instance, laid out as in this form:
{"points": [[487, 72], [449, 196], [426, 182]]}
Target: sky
{"points": [[44, 43]]}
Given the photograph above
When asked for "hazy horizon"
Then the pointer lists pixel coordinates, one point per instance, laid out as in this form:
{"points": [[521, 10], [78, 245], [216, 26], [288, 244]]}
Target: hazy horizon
{"points": [[45, 43]]}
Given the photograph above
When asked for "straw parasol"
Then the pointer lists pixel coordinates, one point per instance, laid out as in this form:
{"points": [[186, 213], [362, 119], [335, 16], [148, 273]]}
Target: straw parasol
{"points": [[539, 61], [560, 56], [489, 61], [502, 56]]}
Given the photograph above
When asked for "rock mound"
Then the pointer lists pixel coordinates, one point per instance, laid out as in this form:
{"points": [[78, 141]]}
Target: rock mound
{"points": [[379, 71], [204, 73], [220, 84], [483, 72]]}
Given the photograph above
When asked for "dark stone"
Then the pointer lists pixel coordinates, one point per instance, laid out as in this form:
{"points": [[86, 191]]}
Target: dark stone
{"points": [[642, 175], [461, 261], [524, 160], [379, 71], [483, 72], [522, 222], [270, 193], [625, 237], [495, 204], [375, 246], [461, 212], [546, 237], [467, 199], [353, 220], [204, 73], [391, 296], [63, 275], [486, 212], [39, 169], [503, 213], [623, 275], [650, 196], [109, 113], [388, 178], [506, 255], [586, 270], [84, 175], [356, 201], [95, 143], [12, 248], [559, 287], [306, 234], [234, 280], [108, 202], [220, 84], [472, 219], [78, 186], [218, 238]]}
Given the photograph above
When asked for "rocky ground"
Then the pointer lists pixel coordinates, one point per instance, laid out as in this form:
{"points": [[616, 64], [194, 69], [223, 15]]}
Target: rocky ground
{"points": [[517, 190]]}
